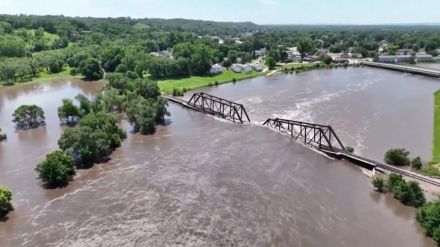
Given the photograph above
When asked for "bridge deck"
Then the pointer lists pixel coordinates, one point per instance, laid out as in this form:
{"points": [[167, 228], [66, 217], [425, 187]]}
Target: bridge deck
{"points": [[407, 69]]}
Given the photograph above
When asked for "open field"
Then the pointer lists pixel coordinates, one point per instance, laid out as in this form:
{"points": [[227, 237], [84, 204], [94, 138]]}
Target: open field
{"points": [[45, 77], [195, 82]]}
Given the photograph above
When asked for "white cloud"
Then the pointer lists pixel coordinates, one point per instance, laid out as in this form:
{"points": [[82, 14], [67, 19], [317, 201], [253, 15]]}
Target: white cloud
{"points": [[269, 2]]}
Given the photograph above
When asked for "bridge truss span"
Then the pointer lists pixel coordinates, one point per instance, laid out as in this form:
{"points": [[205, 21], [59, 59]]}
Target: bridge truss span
{"points": [[321, 137], [219, 107]]}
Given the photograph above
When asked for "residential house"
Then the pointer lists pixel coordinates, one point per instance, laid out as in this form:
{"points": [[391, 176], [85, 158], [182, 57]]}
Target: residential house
{"points": [[236, 68], [216, 69], [424, 58], [403, 58], [292, 53], [258, 67], [247, 68], [387, 59], [404, 51], [260, 52]]}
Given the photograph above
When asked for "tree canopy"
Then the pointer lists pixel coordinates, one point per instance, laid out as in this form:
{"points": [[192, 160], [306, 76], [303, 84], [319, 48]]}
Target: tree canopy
{"points": [[5, 201], [57, 169], [28, 116]]}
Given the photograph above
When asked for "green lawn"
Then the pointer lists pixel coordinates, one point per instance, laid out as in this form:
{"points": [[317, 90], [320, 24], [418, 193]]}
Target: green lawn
{"points": [[195, 82], [436, 144], [46, 77], [433, 168]]}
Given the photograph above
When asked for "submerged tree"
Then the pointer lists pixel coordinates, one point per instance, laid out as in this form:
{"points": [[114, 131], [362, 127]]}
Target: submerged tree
{"points": [[397, 157], [5, 201], [57, 169], [28, 116], [2, 136], [378, 183], [68, 110]]}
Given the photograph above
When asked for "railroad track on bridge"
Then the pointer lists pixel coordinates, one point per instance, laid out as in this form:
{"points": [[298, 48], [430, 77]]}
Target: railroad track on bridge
{"points": [[317, 136]]}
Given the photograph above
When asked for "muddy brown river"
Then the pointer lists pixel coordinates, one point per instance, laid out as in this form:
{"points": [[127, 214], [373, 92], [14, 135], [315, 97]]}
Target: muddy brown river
{"points": [[200, 181]]}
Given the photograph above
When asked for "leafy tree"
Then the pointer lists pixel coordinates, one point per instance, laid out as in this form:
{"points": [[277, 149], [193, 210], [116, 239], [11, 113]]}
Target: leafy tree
{"points": [[327, 59], [409, 193], [57, 169], [305, 47], [55, 66], [91, 69], [85, 105], [397, 157], [5, 201], [394, 180], [28, 116], [378, 183], [416, 163], [112, 100], [12, 47], [2, 136], [429, 218], [68, 109], [270, 62], [95, 138], [141, 114]]}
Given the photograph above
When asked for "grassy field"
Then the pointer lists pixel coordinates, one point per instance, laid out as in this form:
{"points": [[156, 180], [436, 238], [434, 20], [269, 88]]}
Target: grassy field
{"points": [[195, 82], [436, 144], [433, 168], [46, 77]]}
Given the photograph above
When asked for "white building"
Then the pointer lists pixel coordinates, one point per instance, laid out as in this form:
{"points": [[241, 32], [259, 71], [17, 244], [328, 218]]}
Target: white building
{"points": [[258, 67], [164, 53], [216, 69], [260, 52], [247, 68], [421, 58], [236, 68], [387, 59]]}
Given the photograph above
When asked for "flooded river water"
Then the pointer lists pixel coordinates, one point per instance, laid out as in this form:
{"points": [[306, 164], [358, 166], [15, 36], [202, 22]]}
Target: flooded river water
{"points": [[200, 181]]}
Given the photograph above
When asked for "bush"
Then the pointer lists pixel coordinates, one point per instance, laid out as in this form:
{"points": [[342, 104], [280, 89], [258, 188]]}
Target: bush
{"points": [[397, 157], [378, 183], [5, 201], [57, 169], [429, 218], [416, 163], [2, 136], [394, 180], [349, 149], [408, 193], [327, 59], [177, 92]]}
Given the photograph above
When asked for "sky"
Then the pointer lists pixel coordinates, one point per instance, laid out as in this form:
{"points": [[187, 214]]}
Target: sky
{"points": [[258, 11]]}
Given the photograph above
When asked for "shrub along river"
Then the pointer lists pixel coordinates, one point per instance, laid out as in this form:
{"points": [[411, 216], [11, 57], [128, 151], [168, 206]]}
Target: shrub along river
{"points": [[200, 181]]}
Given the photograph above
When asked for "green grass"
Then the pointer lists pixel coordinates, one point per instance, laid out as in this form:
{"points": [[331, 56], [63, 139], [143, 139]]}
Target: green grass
{"points": [[436, 143], [195, 82], [45, 77], [294, 66], [433, 168]]}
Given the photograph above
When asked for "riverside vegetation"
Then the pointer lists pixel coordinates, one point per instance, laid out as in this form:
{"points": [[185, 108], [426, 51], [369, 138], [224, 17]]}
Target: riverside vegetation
{"points": [[410, 193], [97, 134]]}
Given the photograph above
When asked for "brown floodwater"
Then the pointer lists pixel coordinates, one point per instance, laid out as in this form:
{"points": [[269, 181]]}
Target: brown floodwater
{"points": [[200, 181]]}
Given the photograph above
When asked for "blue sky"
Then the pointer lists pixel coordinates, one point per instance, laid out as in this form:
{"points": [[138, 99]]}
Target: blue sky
{"points": [[258, 11]]}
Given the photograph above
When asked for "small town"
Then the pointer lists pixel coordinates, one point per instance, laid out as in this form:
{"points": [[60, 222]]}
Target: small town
{"points": [[229, 123]]}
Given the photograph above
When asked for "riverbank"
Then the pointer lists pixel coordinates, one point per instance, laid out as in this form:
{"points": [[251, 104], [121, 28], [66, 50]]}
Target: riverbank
{"points": [[44, 77], [196, 82], [433, 169]]}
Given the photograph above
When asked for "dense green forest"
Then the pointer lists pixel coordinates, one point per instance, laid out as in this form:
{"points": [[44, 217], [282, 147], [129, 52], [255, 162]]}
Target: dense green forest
{"points": [[31, 46]]}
